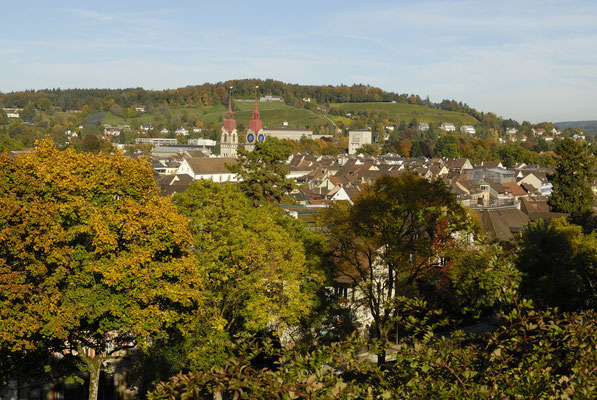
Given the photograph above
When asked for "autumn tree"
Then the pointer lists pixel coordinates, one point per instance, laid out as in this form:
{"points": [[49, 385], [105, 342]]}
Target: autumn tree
{"points": [[92, 260], [572, 179], [262, 172], [391, 236]]}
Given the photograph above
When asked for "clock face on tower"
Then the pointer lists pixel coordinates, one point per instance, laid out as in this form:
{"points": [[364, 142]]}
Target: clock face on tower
{"points": [[250, 138], [261, 138]]}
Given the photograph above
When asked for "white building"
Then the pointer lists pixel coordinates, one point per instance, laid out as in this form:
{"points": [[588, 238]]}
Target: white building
{"points": [[285, 132], [358, 138], [202, 142], [110, 130], [448, 127], [269, 97], [423, 126], [157, 141], [12, 112], [468, 129], [212, 168], [182, 131]]}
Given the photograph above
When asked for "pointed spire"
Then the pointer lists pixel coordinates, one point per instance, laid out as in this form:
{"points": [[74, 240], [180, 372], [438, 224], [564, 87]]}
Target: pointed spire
{"points": [[229, 122], [255, 125], [255, 110], [229, 113]]}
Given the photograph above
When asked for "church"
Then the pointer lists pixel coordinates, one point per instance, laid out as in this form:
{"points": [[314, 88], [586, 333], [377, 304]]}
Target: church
{"points": [[229, 136]]}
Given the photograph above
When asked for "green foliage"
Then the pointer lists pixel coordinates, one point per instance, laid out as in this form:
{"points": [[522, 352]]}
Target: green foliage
{"points": [[28, 112], [263, 172], [479, 281], [559, 265], [447, 146], [257, 274], [370, 149], [572, 179], [392, 236], [532, 355]]}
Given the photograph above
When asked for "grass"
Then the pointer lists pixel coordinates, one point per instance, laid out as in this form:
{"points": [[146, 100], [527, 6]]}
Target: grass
{"points": [[272, 114], [406, 112], [275, 113]]}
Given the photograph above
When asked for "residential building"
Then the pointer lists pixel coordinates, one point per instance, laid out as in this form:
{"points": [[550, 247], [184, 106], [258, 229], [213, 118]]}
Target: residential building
{"points": [[213, 168], [12, 112], [468, 129], [357, 139], [448, 126], [157, 141], [423, 126]]}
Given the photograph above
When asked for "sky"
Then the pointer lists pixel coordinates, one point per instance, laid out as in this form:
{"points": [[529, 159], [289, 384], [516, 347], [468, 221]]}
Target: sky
{"points": [[525, 59]]}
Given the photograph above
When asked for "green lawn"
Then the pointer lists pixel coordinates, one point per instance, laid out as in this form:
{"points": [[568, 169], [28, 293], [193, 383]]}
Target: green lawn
{"points": [[406, 112]]}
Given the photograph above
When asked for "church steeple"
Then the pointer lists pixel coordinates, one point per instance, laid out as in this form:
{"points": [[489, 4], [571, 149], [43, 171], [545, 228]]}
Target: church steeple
{"points": [[255, 125], [229, 137], [255, 132], [229, 122]]}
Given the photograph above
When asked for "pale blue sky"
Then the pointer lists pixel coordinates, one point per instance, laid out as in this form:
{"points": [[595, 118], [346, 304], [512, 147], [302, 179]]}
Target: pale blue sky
{"points": [[534, 60]]}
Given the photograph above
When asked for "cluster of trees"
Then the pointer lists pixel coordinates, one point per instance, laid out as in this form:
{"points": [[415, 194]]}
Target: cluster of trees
{"points": [[211, 287]]}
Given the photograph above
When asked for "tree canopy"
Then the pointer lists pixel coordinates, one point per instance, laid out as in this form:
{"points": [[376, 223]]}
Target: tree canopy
{"points": [[559, 265], [391, 236], [572, 179], [262, 171], [92, 259]]}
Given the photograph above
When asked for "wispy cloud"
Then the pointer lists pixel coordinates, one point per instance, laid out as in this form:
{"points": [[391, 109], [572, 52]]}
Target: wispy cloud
{"points": [[90, 14]]}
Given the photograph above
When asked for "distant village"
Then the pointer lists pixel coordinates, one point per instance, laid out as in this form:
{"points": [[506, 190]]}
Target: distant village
{"points": [[505, 200]]}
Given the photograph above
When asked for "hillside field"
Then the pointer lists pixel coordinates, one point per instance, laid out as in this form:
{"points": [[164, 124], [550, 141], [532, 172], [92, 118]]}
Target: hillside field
{"points": [[406, 112], [272, 114]]}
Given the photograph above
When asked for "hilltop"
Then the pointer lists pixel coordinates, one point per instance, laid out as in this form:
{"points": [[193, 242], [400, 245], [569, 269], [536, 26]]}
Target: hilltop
{"points": [[587, 126]]}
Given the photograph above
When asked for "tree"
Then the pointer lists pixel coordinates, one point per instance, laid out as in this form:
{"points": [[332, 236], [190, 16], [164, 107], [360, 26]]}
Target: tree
{"points": [[447, 146], [371, 149], [91, 143], [391, 236], [28, 112], [116, 109], [3, 116], [92, 260], [559, 265], [572, 179], [262, 171], [255, 259]]}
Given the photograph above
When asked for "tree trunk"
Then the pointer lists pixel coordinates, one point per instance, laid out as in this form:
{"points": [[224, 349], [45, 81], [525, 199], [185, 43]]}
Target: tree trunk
{"points": [[94, 377]]}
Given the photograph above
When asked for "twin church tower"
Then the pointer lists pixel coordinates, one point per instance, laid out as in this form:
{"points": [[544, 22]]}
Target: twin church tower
{"points": [[229, 136]]}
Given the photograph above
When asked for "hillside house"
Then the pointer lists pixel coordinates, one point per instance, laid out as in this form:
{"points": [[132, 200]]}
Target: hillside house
{"points": [[468, 129], [448, 127], [423, 126]]}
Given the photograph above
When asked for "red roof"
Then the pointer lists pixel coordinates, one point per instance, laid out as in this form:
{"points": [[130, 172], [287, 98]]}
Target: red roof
{"points": [[255, 125]]}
